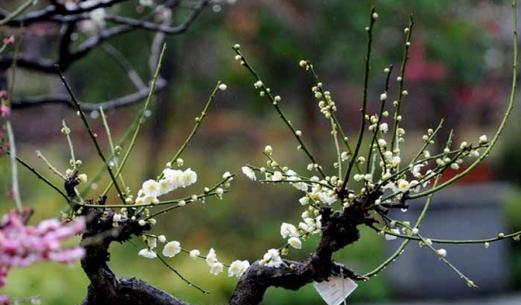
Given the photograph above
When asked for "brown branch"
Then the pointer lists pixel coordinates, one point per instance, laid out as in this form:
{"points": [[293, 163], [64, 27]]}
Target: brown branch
{"points": [[56, 13], [120, 102], [339, 230], [33, 64], [132, 74], [131, 24], [152, 26], [68, 57], [65, 43], [105, 287]]}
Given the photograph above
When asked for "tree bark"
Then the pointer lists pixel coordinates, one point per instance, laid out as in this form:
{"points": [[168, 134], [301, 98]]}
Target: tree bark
{"points": [[339, 229], [105, 287]]}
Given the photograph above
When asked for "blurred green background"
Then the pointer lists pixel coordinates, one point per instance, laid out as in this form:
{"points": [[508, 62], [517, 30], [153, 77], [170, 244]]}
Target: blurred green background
{"points": [[459, 69]]}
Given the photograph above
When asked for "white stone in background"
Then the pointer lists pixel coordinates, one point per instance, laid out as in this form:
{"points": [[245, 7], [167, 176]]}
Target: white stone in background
{"points": [[335, 290]]}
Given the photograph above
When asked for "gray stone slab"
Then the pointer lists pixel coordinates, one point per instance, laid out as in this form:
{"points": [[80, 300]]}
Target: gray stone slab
{"points": [[462, 212], [503, 300]]}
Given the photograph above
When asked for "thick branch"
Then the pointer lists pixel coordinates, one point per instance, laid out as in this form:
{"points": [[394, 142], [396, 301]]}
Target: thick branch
{"points": [[105, 287], [340, 230]]}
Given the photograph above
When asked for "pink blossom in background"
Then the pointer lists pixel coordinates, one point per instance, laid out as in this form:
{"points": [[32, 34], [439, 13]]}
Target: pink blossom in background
{"points": [[5, 111], [22, 245], [4, 300], [7, 41]]}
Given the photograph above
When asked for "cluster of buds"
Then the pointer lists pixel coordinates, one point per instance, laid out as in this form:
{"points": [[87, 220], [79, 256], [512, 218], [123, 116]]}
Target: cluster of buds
{"points": [[325, 102]]}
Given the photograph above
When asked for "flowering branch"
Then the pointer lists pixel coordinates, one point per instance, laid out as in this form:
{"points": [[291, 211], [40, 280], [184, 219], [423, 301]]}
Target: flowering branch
{"points": [[335, 207]]}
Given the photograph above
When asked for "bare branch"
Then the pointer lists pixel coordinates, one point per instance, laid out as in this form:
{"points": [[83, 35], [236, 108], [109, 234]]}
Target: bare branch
{"points": [[123, 101], [132, 74], [56, 13]]}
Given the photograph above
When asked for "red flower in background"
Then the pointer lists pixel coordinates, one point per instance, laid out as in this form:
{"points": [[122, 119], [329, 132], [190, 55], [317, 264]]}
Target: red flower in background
{"points": [[422, 69]]}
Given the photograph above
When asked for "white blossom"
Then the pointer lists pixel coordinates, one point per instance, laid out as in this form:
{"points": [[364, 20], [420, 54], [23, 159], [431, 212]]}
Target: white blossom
{"points": [[216, 268], [416, 170], [165, 186], [301, 186], [237, 268], [151, 242], [395, 161], [295, 242], [172, 248], [392, 237], [211, 257], [288, 230], [82, 178], [403, 185], [272, 259], [189, 177], [151, 188], [384, 127], [219, 192], [388, 155], [195, 253], [277, 176], [327, 197], [117, 217], [441, 252], [146, 2], [304, 200], [97, 17], [248, 172], [147, 253], [147, 200], [171, 174], [344, 156]]}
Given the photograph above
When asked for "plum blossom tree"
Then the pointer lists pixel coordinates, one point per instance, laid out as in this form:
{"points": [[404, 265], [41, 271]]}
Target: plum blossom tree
{"points": [[368, 179]]}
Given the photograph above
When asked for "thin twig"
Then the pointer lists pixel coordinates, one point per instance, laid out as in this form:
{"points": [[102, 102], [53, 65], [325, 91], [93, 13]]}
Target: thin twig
{"points": [[91, 134], [363, 111], [141, 117]]}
